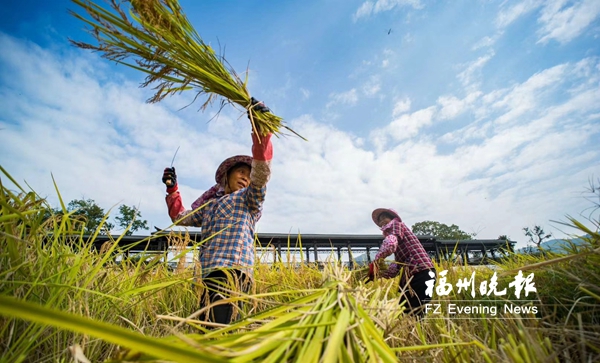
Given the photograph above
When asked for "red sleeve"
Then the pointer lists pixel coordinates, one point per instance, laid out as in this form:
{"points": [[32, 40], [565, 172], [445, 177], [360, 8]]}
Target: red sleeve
{"points": [[175, 205], [177, 212]]}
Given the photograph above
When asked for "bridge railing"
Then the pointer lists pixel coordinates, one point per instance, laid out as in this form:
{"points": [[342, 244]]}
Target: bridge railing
{"points": [[355, 250]]}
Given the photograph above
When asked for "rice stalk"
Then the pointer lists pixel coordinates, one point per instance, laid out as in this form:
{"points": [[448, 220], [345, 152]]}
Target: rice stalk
{"points": [[156, 37], [296, 312]]}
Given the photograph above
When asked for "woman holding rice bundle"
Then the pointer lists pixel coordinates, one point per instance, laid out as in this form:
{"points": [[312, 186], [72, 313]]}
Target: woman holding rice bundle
{"points": [[231, 209], [410, 257]]}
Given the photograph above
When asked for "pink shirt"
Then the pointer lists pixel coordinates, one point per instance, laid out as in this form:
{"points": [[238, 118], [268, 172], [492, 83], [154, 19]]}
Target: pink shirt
{"points": [[408, 251]]}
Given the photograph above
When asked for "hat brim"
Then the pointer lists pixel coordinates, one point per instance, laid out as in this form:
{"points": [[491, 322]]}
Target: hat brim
{"points": [[379, 211], [230, 162]]}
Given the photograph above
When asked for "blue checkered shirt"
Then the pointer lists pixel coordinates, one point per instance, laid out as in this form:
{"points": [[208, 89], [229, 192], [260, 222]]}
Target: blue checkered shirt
{"points": [[227, 223]]}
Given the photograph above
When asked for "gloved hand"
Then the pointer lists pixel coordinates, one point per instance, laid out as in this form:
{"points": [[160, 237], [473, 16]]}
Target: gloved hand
{"points": [[258, 105], [170, 179], [262, 149]]}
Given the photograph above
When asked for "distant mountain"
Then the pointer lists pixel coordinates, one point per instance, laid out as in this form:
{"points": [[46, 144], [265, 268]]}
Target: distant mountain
{"points": [[554, 245], [361, 260]]}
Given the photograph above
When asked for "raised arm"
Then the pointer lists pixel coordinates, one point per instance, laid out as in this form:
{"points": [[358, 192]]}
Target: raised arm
{"points": [[262, 154], [175, 204]]}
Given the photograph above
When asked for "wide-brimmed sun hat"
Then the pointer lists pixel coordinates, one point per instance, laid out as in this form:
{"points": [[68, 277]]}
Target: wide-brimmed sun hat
{"points": [[379, 211], [230, 162]]}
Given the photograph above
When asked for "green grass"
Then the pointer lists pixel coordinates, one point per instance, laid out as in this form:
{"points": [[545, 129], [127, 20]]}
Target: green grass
{"points": [[58, 295]]}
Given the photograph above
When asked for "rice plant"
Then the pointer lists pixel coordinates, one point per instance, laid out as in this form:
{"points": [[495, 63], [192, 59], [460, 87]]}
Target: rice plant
{"points": [[62, 300], [156, 38]]}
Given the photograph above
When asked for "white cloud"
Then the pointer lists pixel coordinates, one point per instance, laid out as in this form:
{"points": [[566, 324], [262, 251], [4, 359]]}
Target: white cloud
{"points": [[530, 100], [563, 23], [470, 76], [101, 141], [368, 7], [405, 126], [515, 11], [364, 10], [387, 54], [401, 106], [384, 60], [97, 137], [468, 134], [526, 96], [451, 106], [560, 20], [372, 86], [486, 41], [345, 98]]}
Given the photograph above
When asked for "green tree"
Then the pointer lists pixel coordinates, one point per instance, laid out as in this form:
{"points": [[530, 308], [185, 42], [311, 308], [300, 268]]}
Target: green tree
{"points": [[130, 216], [536, 235], [91, 214], [506, 247], [441, 231]]}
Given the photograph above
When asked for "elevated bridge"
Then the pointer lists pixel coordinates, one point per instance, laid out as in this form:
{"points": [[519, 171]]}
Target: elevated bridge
{"points": [[351, 248]]}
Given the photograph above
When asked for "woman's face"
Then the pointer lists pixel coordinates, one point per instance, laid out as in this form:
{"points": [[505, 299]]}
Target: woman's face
{"points": [[384, 219], [238, 178]]}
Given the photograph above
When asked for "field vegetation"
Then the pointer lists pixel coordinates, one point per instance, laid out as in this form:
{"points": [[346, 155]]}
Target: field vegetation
{"points": [[61, 300]]}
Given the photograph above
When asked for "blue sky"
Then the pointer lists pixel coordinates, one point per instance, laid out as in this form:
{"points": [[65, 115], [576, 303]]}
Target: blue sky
{"points": [[483, 114]]}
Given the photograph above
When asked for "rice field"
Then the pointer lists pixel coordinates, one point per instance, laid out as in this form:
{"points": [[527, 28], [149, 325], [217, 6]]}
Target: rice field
{"points": [[63, 301]]}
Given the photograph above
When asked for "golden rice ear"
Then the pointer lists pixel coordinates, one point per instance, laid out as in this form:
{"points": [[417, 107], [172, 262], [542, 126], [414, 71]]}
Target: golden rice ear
{"points": [[155, 37]]}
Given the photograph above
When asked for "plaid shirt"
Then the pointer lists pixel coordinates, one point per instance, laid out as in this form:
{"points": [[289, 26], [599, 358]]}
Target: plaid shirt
{"points": [[228, 223], [408, 250]]}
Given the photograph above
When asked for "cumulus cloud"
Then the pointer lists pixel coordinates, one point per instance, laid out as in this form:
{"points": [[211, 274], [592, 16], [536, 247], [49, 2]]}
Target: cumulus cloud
{"points": [[470, 76], [368, 8], [401, 106], [559, 20], [345, 98], [100, 140], [372, 86], [486, 41], [96, 135], [564, 23], [364, 10], [452, 107], [387, 54], [516, 10], [529, 94], [405, 126]]}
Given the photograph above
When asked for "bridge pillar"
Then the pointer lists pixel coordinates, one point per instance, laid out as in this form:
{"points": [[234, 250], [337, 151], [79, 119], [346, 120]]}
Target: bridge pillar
{"points": [[350, 258]]}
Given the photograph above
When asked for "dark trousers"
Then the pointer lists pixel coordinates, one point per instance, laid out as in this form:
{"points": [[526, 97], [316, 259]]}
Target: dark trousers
{"points": [[414, 296], [219, 285]]}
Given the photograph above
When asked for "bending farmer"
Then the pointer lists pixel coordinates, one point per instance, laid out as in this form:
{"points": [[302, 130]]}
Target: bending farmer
{"points": [[410, 257]]}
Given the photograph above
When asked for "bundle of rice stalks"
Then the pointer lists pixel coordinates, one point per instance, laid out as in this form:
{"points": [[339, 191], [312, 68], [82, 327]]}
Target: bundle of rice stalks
{"points": [[327, 325], [155, 37]]}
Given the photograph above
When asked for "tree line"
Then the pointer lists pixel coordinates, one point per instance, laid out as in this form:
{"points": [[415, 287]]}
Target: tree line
{"points": [[90, 215]]}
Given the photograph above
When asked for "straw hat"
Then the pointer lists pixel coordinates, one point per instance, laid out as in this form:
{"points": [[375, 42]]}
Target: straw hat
{"points": [[377, 212], [230, 162]]}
